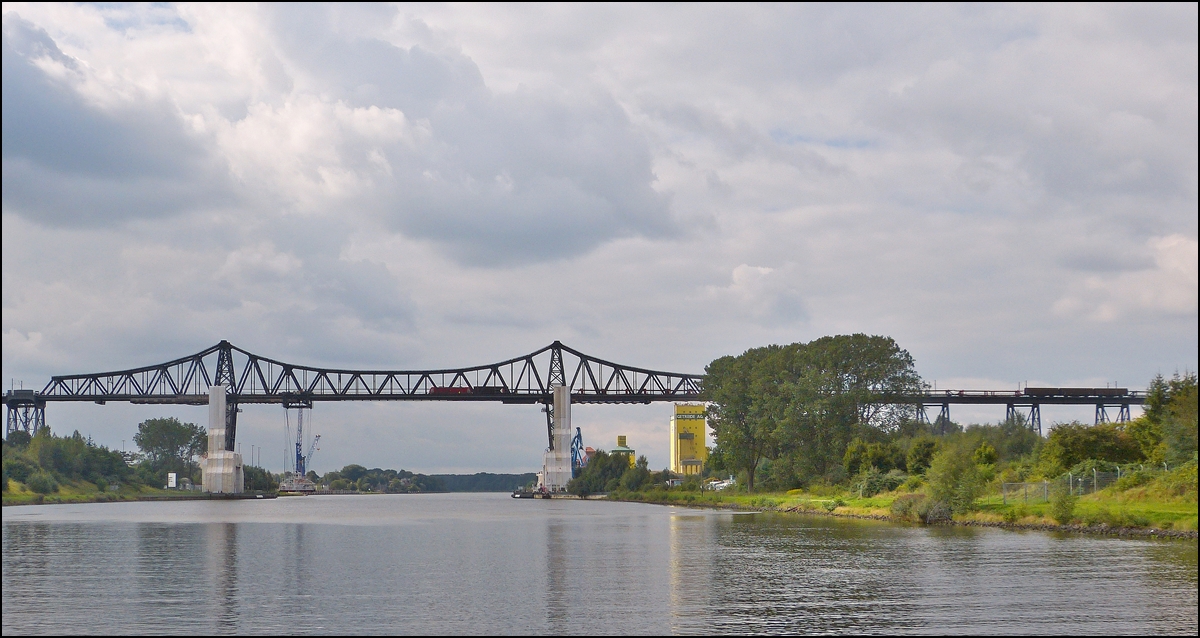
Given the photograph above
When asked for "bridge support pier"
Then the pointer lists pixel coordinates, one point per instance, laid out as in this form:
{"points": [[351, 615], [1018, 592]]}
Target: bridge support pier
{"points": [[556, 463], [223, 472], [25, 412]]}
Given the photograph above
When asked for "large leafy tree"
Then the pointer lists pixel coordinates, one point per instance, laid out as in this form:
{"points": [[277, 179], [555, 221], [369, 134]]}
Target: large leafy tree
{"points": [[846, 386], [805, 402], [742, 418], [169, 444]]}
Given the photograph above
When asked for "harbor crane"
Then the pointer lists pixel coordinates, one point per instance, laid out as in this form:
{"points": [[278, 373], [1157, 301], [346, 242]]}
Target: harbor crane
{"points": [[298, 482]]}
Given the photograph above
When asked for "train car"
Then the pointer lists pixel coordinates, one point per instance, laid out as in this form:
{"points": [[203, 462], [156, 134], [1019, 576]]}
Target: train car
{"points": [[450, 390]]}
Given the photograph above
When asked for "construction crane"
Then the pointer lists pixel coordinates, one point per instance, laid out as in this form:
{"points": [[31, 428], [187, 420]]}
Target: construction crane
{"points": [[298, 482], [303, 459], [578, 460]]}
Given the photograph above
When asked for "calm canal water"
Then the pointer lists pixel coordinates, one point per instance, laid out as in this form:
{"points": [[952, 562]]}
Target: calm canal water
{"points": [[489, 564]]}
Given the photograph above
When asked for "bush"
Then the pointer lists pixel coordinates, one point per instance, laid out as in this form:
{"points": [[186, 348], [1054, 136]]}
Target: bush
{"points": [[985, 454], [1016, 513], [905, 507], [1180, 481], [932, 511], [913, 483], [872, 482], [833, 504], [954, 479], [19, 469], [42, 482], [1062, 505], [1130, 480], [101, 485]]}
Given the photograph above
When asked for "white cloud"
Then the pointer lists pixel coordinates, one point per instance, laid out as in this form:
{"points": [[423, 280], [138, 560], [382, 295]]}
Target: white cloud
{"points": [[1009, 191], [1169, 288]]}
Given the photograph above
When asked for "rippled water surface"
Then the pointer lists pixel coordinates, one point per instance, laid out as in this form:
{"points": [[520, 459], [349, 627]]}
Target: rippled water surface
{"points": [[489, 564]]}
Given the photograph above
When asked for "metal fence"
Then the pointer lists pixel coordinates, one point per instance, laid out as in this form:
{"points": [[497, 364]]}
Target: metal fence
{"points": [[1025, 492], [1076, 484]]}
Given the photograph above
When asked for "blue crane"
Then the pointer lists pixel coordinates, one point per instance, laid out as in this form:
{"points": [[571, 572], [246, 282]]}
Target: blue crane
{"points": [[578, 459], [302, 459]]}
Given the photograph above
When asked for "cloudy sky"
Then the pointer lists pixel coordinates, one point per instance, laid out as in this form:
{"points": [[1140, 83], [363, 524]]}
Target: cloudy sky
{"points": [[1008, 191]]}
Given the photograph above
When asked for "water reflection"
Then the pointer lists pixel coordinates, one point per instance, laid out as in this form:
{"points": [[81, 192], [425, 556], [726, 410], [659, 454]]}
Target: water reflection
{"points": [[557, 564], [221, 541], [483, 564]]}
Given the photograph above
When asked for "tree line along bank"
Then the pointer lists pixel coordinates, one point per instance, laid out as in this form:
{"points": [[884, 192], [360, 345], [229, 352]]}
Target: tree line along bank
{"points": [[810, 418]]}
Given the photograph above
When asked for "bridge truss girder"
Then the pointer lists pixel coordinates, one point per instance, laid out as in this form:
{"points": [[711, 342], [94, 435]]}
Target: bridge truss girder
{"points": [[255, 379]]}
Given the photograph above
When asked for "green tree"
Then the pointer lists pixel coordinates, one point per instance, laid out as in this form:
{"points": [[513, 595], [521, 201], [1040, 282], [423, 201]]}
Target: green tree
{"points": [[985, 454], [1072, 443], [920, 454], [602, 471], [19, 439], [1179, 421], [353, 472], [881, 456], [804, 403], [259, 479], [1167, 430], [637, 477], [842, 387], [1148, 434], [954, 479], [167, 442], [741, 423]]}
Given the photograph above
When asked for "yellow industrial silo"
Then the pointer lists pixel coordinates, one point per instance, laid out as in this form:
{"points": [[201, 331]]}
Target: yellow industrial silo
{"points": [[688, 452], [624, 449]]}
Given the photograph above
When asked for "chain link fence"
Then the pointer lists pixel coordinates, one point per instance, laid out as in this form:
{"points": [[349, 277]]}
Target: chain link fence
{"points": [[1076, 484]]}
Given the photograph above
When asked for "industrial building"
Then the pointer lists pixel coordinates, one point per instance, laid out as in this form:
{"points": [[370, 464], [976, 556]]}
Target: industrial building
{"points": [[688, 451], [624, 449]]}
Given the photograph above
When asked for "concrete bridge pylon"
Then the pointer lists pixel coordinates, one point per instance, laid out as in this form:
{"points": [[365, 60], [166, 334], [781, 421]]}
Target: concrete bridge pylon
{"points": [[223, 472], [556, 462]]}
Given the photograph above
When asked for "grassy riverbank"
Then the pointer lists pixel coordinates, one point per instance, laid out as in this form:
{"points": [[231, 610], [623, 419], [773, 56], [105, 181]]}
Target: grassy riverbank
{"points": [[86, 492], [1166, 505]]}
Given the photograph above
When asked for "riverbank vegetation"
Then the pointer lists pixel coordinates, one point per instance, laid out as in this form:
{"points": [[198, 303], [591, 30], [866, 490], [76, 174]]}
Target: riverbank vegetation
{"points": [[356, 478], [46, 468], [808, 426]]}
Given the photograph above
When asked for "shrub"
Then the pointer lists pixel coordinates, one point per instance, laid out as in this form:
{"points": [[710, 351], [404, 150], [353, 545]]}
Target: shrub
{"points": [[1132, 479], [19, 469], [101, 485], [1016, 513], [954, 479], [42, 482], [932, 511], [905, 507], [872, 481], [833, 505], [985, 454], [1062, 505], [1180, 481], [913, 483]]}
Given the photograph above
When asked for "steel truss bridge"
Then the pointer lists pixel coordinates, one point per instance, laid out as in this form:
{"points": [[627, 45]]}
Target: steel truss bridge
{"points": [[1031, 399], [250, 378], [529, 379]]}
